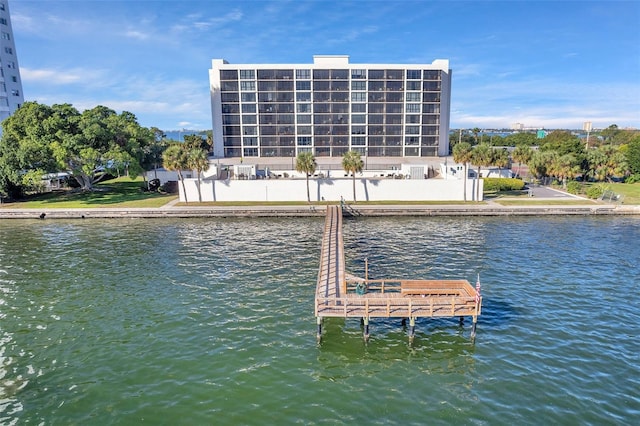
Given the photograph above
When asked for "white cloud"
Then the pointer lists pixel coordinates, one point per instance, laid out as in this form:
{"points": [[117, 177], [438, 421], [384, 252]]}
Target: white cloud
{"points": [[57, 76], [137, 35]]}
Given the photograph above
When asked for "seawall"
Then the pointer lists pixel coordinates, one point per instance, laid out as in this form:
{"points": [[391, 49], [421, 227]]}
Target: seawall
{"points": [[489, 209]]}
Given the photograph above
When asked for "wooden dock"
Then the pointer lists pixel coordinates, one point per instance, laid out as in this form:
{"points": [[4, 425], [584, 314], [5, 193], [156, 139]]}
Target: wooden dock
{"points": [[339, 294]]}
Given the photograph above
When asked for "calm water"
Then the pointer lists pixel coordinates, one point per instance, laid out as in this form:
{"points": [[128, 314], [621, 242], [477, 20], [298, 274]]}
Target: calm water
{"points": [[211, 322]]}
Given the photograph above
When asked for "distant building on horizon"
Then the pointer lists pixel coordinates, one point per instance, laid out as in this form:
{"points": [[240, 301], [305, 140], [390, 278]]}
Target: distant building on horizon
{"points": [[11, 96], [330, 107]]}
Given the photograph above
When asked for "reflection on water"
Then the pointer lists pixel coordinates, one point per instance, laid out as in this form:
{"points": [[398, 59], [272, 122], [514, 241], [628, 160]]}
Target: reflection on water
{"points": [[214, 318]]}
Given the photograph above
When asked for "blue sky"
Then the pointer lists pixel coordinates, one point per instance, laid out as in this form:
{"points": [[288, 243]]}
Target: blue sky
{"points": [[551, 64]]}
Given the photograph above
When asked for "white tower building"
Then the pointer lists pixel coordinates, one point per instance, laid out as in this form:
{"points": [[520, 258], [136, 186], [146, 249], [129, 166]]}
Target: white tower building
{"points": [[11, 96]]}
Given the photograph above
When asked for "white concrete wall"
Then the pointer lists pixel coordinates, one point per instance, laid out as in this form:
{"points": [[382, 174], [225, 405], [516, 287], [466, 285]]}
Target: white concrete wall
{"points": [[331, 190]]}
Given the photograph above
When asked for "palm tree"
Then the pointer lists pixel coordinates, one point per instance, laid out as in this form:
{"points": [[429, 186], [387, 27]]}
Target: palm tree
{"points": [[476, 132], [462, 154], [481, 156], [522, 154], [501, 159], [539, 163], [306, 163], [174, 158], [352, 163], [197, 160]]}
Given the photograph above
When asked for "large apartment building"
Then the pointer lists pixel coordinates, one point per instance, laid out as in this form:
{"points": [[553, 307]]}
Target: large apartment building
{"points": [[11, 96], [330, 107]]}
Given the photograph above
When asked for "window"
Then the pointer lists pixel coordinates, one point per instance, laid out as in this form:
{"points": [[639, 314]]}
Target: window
{"points": [[358, 85], [229, 86], [358, 97], [413, 97], [6, 36], [3, 21], [413, 108], [304, 119], [247, 85], [413, 130], [414, 74], [413, 85], [432, 74], [303, 108], [376, 74], [228, 74], [303, 85], [249, 130], [304, 140], [248, 108], [412, 140], [15, 92], [359, 108], [248, 97], [303, 74], [432, 97], [358, 74], [11, 64], [339, 74], [303, 96], [229, 97], [359, 119], [358, 140], [14, 78], [321, 74], [394, 74], [249, 119], [250, 141], [247, 74]]}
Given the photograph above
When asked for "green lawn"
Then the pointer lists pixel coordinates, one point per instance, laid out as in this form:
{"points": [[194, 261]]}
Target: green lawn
{"points": [[121, 192], [631, 192]]}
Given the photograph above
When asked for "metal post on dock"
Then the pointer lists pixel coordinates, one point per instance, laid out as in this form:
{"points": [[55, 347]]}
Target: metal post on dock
{"points": [[473, 328], [412, 328], [366, 328], [319, 321]]}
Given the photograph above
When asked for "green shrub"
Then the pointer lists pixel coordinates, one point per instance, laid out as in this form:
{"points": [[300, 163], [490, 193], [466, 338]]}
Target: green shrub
{"points": [[632, 179], [503, 184], [596, 191], [574, 187]]}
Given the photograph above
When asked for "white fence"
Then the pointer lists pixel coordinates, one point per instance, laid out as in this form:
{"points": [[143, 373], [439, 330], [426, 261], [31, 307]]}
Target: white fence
{"points": [[331, 190]]}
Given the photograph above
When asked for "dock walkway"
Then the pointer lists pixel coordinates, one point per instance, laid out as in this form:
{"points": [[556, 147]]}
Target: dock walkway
{"points": [[339, 294]]}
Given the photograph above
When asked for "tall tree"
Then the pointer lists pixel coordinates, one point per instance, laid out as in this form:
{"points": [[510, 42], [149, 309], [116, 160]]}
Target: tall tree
{"points": [[352, 163], [174, 158], [564, 167], [501, 159], [539, 163], [306, 163], [632, 155], [198, 161], [87, 145], [606, 162], [462, 155], [476, 132], [522, 154], [481, 156]]}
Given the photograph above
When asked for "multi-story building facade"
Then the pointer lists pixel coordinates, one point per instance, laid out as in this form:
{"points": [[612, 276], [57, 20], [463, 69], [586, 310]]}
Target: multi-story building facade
{"points": [[330, 107], [11, 96]]}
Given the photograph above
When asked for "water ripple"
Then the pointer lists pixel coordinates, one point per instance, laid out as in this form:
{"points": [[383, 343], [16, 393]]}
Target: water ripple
{"points": [[106, 321]]}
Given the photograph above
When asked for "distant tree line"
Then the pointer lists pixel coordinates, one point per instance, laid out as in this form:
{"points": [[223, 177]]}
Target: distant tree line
{"points": [[608, 154]]}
